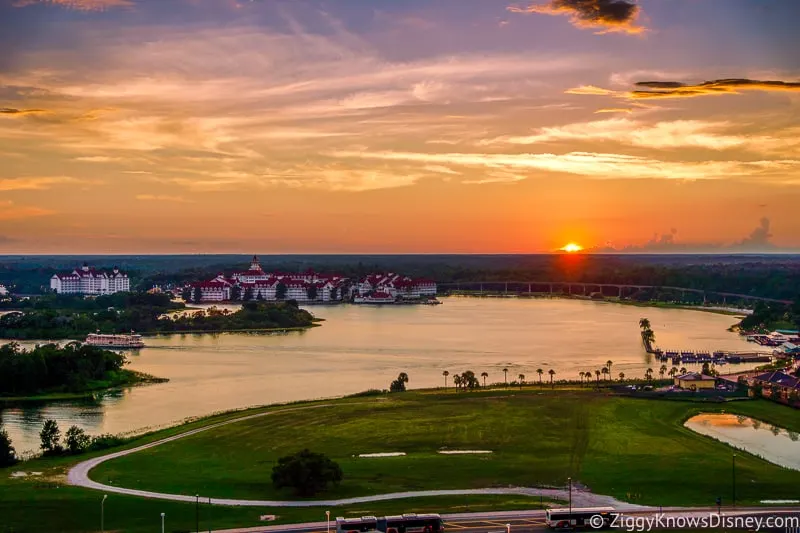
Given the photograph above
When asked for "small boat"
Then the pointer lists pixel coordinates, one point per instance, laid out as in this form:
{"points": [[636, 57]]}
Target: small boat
{"points": [[116, 340]]}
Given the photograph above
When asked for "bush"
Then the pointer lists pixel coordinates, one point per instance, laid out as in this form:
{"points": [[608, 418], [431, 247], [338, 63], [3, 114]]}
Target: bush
{"points": [[399, 385], [77, 440], [369, 392], [8, 456], [101, 442], [51, 438], [306, 472]]}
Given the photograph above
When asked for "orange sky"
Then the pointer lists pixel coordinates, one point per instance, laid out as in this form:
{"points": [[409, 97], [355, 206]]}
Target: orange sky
{"points": [[224, 126]]}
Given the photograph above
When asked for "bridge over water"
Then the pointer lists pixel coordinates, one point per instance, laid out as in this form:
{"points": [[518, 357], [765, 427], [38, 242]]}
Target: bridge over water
{"points": [[620, 290]]}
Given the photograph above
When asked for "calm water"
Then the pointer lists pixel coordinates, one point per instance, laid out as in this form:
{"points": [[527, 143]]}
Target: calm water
{"points": [[772, 443], [360, 347]]}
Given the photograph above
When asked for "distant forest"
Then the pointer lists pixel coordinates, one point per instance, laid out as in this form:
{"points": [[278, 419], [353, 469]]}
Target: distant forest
{"points": [[770, 276]]}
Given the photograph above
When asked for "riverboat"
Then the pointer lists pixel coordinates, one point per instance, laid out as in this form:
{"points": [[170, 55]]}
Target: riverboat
{"points": [[120, 341]]}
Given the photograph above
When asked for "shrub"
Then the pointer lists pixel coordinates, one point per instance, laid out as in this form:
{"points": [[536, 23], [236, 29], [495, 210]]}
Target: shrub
{"points": [[306, 472]]}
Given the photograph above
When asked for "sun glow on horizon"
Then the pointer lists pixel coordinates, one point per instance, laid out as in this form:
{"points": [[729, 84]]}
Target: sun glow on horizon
{"points": [[571, 248]]}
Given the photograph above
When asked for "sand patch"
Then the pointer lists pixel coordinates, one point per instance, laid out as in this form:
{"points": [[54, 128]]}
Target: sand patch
{"points": [[463, 452], [385, 454], [20, 473]]}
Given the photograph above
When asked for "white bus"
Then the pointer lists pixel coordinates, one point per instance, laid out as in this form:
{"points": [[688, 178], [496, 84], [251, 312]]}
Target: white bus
{"points": [[580, 517], [356, 525], [411, 523]]}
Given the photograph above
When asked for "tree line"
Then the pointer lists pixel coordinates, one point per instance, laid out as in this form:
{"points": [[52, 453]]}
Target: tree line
{"points": [[49, 368]]}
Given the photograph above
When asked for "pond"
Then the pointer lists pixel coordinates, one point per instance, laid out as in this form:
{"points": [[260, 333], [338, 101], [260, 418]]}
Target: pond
{"points": [[769, 442]]}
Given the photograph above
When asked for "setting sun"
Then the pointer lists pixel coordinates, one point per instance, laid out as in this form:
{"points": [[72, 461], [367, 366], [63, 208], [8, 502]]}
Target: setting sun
{"points": [[571, 248]]}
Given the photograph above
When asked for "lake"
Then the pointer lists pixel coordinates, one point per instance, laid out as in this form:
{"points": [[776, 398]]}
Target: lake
{"points": [[769, 442], [363, 347]]}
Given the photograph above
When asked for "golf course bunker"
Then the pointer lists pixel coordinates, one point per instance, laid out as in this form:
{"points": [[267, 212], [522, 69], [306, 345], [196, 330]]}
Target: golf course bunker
{"points": [[384, 454], [771, 443], [463, 452]]}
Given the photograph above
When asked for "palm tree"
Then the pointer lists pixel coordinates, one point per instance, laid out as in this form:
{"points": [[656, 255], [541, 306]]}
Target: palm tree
{"points": [[445, 374], [622, 376], [457, 381], [505, 375], [673, 371], [648, 374], [484, 375], [608, 365], [521, 379], [552, 373], [581, 375], [402, 377], [597, 373], [662, 371], [604, 371], [644, 323], [540, 372], [683, 370]]}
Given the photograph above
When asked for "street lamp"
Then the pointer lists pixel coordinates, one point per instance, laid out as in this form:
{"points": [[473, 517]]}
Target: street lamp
{"points": [[508, 528], [328, 520], [569, 480], [209, 523], [733, 473], [162, 522], [102, 513]]}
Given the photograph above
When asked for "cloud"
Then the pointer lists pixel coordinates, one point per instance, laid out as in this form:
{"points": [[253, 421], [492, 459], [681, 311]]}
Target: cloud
{"points": [[589, 164], [759, 238], [608, 15], [615, 110], [11, 211], [12, 112], [588, 89], [676, 89], [80, 5], [98, 159], [163, 198], [22, 184]]}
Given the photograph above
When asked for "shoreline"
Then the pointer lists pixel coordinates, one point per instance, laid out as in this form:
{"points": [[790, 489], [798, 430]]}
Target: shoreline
{"points": [[134, 379], [661, 305]]}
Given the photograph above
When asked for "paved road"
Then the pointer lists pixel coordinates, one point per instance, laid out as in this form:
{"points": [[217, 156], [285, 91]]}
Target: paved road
{"points": [[79, 476]]}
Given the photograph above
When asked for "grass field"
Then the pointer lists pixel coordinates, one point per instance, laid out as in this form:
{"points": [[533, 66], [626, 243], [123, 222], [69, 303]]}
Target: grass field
{"points": [[635, 450]]}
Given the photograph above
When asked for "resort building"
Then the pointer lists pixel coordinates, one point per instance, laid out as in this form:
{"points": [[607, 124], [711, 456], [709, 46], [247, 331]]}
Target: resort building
{"points": [[696, 381], [90, 282], [3, 290], [778, 385], [396, 286], [256, 284]]}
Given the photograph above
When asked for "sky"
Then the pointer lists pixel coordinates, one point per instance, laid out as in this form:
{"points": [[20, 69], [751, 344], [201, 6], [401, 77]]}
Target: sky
{"points": [[414, 126]]}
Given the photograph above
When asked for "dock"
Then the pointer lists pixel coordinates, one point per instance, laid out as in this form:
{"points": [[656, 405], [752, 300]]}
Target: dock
{"points": [[677, 357]]}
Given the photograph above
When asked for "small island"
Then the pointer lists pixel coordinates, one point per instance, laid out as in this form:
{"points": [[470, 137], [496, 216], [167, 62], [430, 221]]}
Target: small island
{"points": [[52, 372], [74, 317]]}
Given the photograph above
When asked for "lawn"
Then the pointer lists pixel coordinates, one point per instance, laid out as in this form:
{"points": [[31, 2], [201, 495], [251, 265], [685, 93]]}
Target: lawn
{"points": [[635, 450]]}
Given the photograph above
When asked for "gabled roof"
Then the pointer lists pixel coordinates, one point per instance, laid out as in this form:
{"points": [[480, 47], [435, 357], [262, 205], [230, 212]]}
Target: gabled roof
{"points": [[779, 378], [696, 376]]}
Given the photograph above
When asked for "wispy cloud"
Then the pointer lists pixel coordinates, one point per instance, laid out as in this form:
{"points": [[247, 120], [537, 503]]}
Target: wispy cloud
{"points": [[163, 198], [615, 110], [98, 159], [607, 15], [676, 89], [10, 211], [589, 89], [21, 184], [80, 5], [13, 112]]}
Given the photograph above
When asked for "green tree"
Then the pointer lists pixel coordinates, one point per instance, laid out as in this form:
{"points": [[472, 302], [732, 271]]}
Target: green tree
{"points": [[248, 294], [622, 376], [540, 372], [648, 374], [334, 293], [604, 371], [76, 440], [457, 381], [484, 375], [51, 438], [260, 296], [469, 380], [644, 323], [399, 385], [8, 456], [281, 290], [609, 363], [186, 294], [521, 379], [236, 293], [312, 292], [198, 295], [505, 375], [552, 373], [662, 370], [306, 473], [445, 374]]}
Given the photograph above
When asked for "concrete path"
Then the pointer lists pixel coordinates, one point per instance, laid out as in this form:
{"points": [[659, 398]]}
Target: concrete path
{"points": [[79, 476]]}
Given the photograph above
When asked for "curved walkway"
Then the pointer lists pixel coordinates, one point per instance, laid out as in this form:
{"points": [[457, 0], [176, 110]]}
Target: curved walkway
{"points": [[78, 476]]}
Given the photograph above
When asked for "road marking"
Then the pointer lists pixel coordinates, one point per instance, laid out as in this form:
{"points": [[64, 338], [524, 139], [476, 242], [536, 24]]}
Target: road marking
{"points": [[447, 525], [503, 524]]}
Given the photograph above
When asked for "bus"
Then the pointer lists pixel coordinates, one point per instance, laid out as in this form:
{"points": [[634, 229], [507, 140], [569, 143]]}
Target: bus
{"points": [[356, 525], [411, 523], [580, 517]]}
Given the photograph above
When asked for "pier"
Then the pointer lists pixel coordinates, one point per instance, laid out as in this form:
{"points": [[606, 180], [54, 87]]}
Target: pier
{"points": [[677, 357]]}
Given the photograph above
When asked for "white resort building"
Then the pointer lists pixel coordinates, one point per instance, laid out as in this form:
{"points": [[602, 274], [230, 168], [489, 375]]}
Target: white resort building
{"points": [[310, 287], [91, 282], [3, 290]]}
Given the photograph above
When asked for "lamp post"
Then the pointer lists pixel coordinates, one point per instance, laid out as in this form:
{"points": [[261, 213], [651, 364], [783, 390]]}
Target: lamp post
{"points": [[328, 520], [209, 506], [197, 513], [162, 522], [102, 514], [508, 528], [569, 480], [733, 474]]}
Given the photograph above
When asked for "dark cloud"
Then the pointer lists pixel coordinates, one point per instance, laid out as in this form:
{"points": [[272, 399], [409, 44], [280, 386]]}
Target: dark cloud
{"points": [[609, 15], [675, 89], [757, 242], [10, 111]]}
